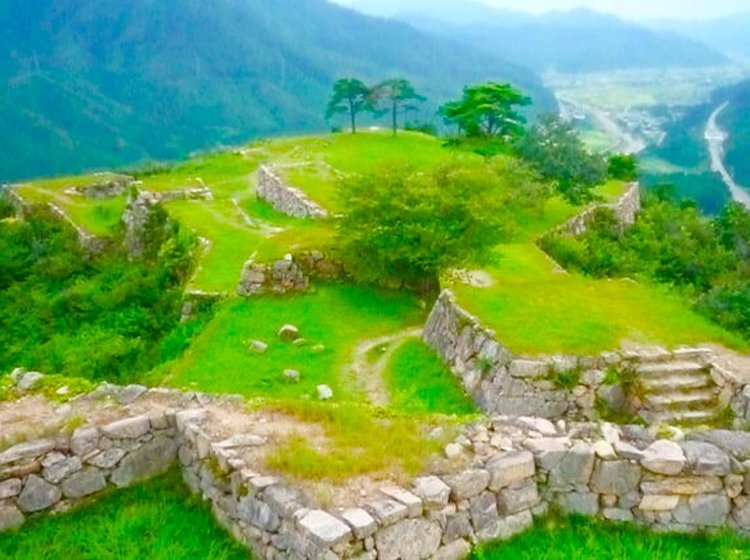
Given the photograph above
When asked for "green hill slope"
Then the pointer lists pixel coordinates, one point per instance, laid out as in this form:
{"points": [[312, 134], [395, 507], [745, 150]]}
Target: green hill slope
{"points": [[101, 83]]}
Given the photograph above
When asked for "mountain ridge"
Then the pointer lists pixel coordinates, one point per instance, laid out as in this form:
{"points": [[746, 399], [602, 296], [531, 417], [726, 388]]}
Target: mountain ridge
{"points": [[101, 83]]}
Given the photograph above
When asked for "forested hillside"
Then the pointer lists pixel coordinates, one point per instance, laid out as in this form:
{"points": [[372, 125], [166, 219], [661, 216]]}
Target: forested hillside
{"points": [[685, 144], [97, 83], [576, 41]]}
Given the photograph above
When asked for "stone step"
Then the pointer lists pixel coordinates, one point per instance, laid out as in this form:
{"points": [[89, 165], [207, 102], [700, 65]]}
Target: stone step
{"points": [[706, 398], [671, 368], [680, 382], [682, 417]]}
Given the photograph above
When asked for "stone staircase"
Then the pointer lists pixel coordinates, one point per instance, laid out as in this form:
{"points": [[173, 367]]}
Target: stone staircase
{"points": [[679, 392]]}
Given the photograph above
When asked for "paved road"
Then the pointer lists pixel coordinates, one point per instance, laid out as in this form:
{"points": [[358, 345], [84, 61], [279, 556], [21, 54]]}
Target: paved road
{"points": [[715, 137]]}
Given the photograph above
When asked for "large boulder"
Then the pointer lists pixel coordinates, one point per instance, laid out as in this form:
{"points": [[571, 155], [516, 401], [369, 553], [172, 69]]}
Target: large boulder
{"points": [[38, 495]]}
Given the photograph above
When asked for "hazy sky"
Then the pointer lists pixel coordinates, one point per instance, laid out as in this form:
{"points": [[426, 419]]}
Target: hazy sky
{"points": [[636, 9], [631, 9]]}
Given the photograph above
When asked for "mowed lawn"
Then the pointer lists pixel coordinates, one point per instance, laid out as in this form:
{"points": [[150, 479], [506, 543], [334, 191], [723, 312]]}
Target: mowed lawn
{"points": [[158, 520], [316, 164], [97, 217], [537, 309], [332, 320], [586, 539]]}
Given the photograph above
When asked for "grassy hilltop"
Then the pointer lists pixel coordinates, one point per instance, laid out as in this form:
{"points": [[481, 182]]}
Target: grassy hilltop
{"points": [[362, 341]]}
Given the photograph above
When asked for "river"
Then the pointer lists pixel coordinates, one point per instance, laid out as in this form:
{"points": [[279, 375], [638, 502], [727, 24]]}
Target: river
{"points": [[715, 137]]}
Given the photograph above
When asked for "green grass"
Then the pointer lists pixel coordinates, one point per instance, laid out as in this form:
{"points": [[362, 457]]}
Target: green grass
{"points": [[97, 217], [335, 316], [419, 382], [579, 538], [157, 520], [359, 441], [314, 164], [536, 310]]}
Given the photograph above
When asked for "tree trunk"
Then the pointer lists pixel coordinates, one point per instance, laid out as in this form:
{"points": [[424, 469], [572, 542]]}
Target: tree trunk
{"points": [[395, 117], [353, 115], [429, 288]]}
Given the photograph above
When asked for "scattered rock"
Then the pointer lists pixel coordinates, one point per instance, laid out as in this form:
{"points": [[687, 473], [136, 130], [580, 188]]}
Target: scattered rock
{"points": [[293, 376], [288, 333], [324, 392], [258, 346], [28, 381]]}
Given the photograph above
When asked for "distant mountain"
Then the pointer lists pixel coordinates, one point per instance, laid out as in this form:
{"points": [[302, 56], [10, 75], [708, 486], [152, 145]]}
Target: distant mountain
{"points": [[730, 35], [90, 83], [575, 41], [464, 12]]}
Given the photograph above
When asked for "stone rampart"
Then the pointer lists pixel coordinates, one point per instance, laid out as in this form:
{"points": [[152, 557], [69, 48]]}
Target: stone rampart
{"points": [[105, 185], [290, 274], [488, 484], [652, 383], [285, 198], [625, 210]]}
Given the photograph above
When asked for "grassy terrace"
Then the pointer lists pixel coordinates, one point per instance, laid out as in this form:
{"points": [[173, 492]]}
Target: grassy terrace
{"points": [[158, 520], [97, 217], [335, 317], [535, 308]]}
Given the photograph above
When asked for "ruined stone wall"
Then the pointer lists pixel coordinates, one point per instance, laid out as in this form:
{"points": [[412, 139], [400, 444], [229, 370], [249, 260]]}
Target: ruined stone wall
{"points": [[52, 474], [625, 210], [107, 185], [488, 485], [291, 274], [286, 198], [501, 383]]}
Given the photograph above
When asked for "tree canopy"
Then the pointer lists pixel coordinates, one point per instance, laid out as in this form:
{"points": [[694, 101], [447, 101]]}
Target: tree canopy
{"points": [[407, 228], [396, 95], [488, 111], [554, 149], [351, 96]]}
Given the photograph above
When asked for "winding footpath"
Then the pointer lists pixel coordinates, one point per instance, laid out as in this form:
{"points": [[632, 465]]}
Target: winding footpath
{"points": [[715, 137]]}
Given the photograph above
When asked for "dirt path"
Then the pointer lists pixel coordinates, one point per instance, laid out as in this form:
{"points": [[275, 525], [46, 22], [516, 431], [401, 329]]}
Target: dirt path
{"points": [[367, 374]]}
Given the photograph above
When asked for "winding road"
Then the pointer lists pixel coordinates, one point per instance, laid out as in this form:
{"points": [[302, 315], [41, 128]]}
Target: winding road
{"points": [[715, 137]]}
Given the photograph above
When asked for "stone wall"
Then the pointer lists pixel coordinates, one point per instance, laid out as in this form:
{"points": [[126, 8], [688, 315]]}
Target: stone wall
{"points": [[487, 485], [52, 474], [625, 210], [107, 185], [677, 382], [286, 198], [291, 274], [135, 219], [15, 199], [86, 240]]}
